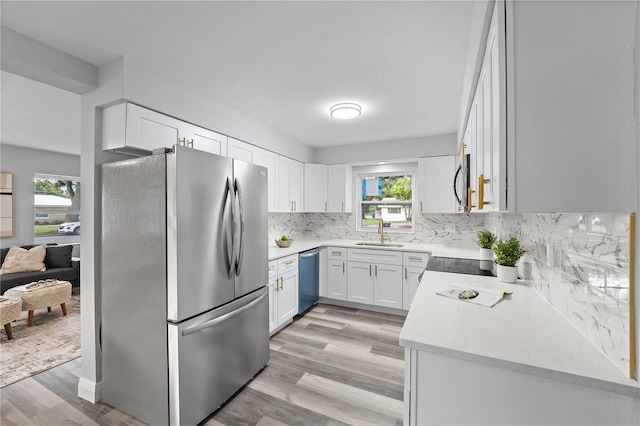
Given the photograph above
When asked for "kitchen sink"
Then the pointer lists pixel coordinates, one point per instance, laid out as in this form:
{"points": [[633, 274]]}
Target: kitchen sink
{"points": [[379, 244]]}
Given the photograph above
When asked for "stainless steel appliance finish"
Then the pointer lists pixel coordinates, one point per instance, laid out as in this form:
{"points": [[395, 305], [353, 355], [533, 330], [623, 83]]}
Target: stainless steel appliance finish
{"points": [[309, 281], [460, 266], [214, 355], [184, 267], [462, 183]]}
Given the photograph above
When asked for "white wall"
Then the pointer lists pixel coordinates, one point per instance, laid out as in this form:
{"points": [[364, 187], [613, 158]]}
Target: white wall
{"points": [[24, 163], [427, 146], [147, 88]]}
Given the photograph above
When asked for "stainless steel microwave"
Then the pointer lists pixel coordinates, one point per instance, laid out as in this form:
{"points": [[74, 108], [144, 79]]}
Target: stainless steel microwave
{"points": [[462, 183]]}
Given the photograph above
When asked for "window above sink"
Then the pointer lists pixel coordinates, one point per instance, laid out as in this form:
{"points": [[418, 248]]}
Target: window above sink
{"points": [[386, 194]]}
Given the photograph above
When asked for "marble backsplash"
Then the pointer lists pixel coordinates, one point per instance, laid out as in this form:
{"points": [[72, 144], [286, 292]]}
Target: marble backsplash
{"points": [[579, 263], [439, 228]]}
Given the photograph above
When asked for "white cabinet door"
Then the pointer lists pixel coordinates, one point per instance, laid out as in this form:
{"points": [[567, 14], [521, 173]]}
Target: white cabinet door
{"points": [[268, 159], [290, 185], [360, 282], [337, 279], [287, 296], [273, 283], [205, 140], [435, 184], [138, 130], [240, 150], [315, 188], [409, 285], [273, 315], [387, 286], [339, 188]]}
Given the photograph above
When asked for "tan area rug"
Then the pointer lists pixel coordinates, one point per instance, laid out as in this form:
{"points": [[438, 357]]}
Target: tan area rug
{"points": [[53, 339]]}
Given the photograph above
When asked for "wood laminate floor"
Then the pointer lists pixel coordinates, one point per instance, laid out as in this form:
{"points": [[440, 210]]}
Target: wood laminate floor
{"points": [[333, 366]]}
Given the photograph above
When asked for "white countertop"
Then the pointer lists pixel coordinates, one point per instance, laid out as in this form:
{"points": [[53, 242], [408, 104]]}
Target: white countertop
{"points": [[300, 245], [522, 333]]}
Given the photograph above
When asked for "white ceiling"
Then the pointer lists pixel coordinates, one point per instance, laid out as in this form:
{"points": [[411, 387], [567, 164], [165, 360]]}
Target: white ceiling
{"points": [[284, 63]]}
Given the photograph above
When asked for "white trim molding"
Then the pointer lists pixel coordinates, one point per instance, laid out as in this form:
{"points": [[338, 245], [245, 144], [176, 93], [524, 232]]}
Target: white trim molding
{"points": [[89, 390]]}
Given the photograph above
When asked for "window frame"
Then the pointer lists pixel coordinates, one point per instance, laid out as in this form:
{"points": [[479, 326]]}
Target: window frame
{"points": [[392, 169], [57, 238]]}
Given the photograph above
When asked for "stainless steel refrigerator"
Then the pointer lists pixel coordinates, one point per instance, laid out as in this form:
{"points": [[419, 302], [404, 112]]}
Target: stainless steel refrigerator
{"points": [[184, 273]]}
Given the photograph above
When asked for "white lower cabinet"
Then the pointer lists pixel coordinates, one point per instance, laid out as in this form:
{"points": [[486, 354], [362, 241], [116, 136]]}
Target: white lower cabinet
{"points": [[273, 282], [387, 286], [336, 273], [374, 277], [410, 285], [337, 279], [283, 291], [387, 278], [360, 282], [413, 264]]}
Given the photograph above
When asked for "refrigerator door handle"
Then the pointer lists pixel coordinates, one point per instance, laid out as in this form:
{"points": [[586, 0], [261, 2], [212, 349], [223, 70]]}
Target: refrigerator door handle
{"points": [[225, 317], [241, 221], [236, 226], [228, 242]]}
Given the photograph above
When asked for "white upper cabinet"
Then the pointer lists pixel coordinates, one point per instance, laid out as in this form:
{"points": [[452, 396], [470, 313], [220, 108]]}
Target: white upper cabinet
{"points": [[269, 159], [252, 154], [485, 133], [240, 150], [290, 185], [553, 112], [339, 188], [205, 140], [435, 184], [135, 130], [132, 129], [573, 102], [315, 187]]}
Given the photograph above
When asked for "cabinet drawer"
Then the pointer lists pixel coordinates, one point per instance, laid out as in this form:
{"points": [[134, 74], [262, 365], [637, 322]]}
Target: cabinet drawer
{"points": [[287, 263], [375, 256], [273, 269], [415, 259], [337, 253]]}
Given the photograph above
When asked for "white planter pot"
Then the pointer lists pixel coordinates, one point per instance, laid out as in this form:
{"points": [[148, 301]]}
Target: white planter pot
{"points": [[507, 274], [486, 254]]}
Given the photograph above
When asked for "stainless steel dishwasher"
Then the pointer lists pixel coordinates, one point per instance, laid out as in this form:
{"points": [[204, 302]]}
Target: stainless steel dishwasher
{"points": [[309, 287]]}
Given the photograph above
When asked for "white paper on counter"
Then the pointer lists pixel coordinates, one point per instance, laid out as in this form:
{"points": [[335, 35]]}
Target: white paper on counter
{"points": [[486, 296]]}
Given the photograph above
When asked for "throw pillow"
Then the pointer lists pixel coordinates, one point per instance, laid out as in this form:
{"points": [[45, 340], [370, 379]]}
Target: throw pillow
{"points": [[58, 257], [22, 260]]}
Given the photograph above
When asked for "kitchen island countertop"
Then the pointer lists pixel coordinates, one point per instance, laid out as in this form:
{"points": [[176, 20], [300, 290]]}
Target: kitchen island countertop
{"points": [[521, 333]]}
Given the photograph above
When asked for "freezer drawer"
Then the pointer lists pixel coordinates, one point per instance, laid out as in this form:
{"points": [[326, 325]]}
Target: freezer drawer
{"points": [[213, 355]]}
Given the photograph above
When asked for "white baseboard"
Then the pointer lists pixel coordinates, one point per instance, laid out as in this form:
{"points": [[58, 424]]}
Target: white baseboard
{"points": [[89, 390]]}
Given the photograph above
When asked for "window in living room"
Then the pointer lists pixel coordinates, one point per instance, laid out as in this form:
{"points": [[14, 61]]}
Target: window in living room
{"points": [[56, 205]]}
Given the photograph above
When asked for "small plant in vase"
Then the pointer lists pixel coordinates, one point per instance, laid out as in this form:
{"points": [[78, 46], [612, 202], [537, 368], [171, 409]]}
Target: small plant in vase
{"points": [[486, 239], [507, 253]]}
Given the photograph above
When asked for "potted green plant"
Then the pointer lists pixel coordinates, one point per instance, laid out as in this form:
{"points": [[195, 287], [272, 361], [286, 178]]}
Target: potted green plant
{"points": [[507, 253], [485, 241]]}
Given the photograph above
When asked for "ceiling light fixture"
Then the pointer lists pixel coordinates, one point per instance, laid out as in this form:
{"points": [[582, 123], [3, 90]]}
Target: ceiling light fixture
{"points": [[345, 111]]}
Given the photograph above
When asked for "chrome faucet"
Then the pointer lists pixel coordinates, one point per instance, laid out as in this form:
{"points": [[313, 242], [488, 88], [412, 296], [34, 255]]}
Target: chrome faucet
{"points": [[381, 231]]}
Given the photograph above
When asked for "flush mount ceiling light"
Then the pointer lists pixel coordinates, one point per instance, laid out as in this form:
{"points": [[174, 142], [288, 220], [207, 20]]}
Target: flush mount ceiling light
{"points": [[345, 111]]}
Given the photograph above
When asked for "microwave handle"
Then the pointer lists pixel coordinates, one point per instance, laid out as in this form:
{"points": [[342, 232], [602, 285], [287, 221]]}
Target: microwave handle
{"points": [[455, 180]]}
